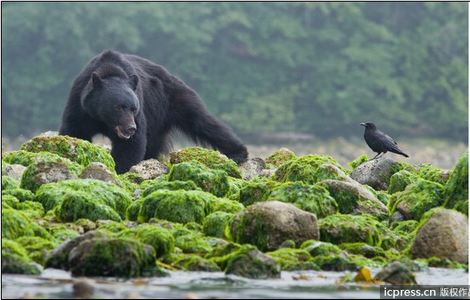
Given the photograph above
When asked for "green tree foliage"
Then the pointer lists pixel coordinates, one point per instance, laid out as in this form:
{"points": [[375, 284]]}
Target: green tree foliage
{"points": [[318, 68]]}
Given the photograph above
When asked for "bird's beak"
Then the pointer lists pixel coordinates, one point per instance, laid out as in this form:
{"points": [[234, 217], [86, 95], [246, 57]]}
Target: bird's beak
{"points": [[363, 124]]}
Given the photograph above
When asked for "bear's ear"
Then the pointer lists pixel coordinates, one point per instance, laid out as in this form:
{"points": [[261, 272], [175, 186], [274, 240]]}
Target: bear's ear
{"points": [[133, 81], [96, 80]]}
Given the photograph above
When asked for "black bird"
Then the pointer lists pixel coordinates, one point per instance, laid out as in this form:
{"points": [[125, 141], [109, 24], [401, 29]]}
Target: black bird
{"points": [[380, 142]]}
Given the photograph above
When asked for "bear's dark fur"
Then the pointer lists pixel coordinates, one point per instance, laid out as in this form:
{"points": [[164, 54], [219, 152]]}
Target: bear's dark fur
{"points": [[137, 103]]}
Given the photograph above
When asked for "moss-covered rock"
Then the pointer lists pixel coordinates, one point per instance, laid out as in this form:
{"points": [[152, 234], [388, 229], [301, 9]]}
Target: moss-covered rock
{"points": [[159, 238], [37, 248], [417, 198], [456, 188], [400, 180], [16, 224], [311, 198], [216, 223], [157, 185], [310, 169], [8, 183], [250, 262], [353, 198], [48, 168], [210, 158], [268, 224], [293, 259], [317, 248], [175, 206], [280, 157], [113, 257], [16, 260], [338, 229], [96, 191], [212, 181], [256, 190], [20, 194], [191, 262], [77, 150]]}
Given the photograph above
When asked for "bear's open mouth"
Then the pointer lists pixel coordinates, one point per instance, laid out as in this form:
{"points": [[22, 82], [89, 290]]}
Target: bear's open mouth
{"points": [[122, 134]]}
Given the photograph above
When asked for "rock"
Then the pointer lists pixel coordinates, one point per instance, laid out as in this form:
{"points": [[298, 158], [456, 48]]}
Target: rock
{"points": [[76, 150], [112, 257], [15, 260], [251, 263], [311, 198], [59, 257], [353, 198], [252, 168], [210, 158], [46, 169], [417, 198], [212, 181], [280, 157], [396, 273], [376, 173], [444, 235], [14, 171], [310, 169], [99, 171], [150, 169], [456, 188], [268, 224]]}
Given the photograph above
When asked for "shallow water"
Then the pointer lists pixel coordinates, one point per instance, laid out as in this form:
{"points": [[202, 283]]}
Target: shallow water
{"points": [[58, 284]]}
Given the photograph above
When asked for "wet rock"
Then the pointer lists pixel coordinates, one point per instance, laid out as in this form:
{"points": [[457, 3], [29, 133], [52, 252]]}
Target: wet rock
{"points": [[99, 171], [444, 235], [14, 171], [150, 169], [59, 257], [396, 273], [251, 263], [113, 257], [376, 173], [353, 198], [268, 224], [252, 168]]}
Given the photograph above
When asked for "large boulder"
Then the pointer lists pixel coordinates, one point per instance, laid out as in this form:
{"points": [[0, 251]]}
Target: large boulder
{"points": [[149, 169], [268, 224], [444, 235], [250, 262], [353, 198], [376, 173]]}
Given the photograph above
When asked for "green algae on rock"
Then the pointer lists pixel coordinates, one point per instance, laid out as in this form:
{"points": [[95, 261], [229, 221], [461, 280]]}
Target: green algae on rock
{"points": [[268, 224], [99, 192], [216, 223], [212, 181], [48, 168], [310, 169], [312, 198], [417, 198], [293, 259], [280, 157], [456, 188], [113, 257], [15, 259], [251, 263], [210, 158], [77, 150]]}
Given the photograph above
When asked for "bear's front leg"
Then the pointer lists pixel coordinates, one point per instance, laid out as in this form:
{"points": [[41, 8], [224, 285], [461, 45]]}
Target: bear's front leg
{"points": [[128, 153]]}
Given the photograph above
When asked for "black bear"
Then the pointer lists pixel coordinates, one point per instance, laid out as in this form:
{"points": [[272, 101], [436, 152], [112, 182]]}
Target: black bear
{"points": [[137, 103]]}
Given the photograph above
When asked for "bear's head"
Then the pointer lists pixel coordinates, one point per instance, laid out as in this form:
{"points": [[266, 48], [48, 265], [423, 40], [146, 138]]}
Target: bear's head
{"points": [[113, 101]]}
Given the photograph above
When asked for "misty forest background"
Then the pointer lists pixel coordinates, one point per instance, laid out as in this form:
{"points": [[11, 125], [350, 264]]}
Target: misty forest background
{"points": [[314, 69]]}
